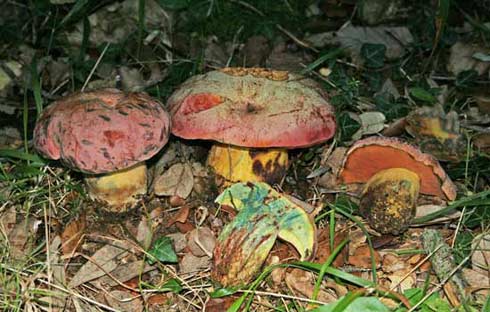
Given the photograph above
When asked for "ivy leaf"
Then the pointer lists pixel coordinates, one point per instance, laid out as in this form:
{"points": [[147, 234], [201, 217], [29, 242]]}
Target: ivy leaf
{"points": [[373, 54], [163, 251]]}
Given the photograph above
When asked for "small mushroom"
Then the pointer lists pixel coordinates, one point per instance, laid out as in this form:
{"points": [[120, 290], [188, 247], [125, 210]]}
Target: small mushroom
{"points": [[394, 172], [106, 134], [255, 114]]}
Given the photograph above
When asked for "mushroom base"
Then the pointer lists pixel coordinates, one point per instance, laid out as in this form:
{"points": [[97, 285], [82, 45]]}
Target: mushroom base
{"points": [[118, 189], [248, 164], [388, 200]]}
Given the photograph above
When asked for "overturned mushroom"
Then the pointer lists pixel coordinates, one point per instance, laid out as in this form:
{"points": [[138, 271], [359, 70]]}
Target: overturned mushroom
{"points": [[256, 114], [394, 172], [106, 134]]}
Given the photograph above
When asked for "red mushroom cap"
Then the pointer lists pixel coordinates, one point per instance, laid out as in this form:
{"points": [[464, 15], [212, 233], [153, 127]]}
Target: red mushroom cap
{"points": [[252, 107], [371, 155], [102, 131]]}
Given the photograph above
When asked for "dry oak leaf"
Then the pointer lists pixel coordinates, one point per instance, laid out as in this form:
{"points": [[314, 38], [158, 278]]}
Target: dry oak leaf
{"points": [[177, 180]]}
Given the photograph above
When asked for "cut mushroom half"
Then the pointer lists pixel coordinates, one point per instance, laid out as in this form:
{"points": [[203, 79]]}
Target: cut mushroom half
{"points": [[394, 173], [106, 134], [249, 111]]}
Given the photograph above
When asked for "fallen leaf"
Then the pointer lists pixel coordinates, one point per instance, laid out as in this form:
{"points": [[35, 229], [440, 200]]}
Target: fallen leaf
{"points": [[424, 210], [303, 282], [123, 273], [177, 180], [478, 281], [219, 304], [163, 251], [371, 123], [395, 39], [201, 242], [362, 258], [8, 220], [462, 58], [123, 300], [22, 236], [480, 259], [191, 263], [264, 215], [72, 235], [106, 259], [181, 216], [144, 232]]}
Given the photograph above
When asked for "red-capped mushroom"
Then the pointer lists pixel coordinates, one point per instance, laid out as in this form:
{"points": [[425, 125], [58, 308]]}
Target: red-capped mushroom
{"points": [[107, 134], [246, 108], [394, 172]]}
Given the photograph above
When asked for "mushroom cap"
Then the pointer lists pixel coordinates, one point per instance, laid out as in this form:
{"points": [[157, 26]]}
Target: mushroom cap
{"points": [[102, 131], [252, 107], [368, 156]]}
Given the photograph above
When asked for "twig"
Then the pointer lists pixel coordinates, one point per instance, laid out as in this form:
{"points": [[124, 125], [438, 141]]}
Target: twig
{"points": [[95, 66]]}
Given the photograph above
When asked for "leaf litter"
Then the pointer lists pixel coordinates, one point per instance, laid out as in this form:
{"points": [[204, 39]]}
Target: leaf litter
{"points": [[377, 80]]}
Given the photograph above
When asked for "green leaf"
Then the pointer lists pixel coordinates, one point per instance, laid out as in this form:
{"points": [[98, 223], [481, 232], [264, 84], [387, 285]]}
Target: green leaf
{"points": [[264, 215], [348, 126], [422, 95], [364, 304], [222, 292], [172, 285], [466, 78], [163, 251], [373, 54], [390, 107], [174, 4]]}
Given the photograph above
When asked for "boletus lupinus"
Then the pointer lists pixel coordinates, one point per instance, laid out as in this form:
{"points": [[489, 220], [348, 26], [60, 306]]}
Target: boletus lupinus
{"points": [[106, 134], [255, 115], [394, 172]]}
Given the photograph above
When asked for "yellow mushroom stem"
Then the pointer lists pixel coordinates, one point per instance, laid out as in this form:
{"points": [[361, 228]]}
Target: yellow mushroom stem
{"points": [[248, 164], [120, 188], [389, 198]]}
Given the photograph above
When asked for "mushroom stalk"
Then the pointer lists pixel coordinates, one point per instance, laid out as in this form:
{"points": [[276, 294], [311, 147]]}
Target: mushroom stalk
{"points": [[119, 188], [248, 164], [389, 198]]}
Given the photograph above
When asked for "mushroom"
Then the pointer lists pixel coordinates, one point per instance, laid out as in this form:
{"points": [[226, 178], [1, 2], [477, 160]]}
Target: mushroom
{"points": [[394, 172], [106, 134], [255, 114]]}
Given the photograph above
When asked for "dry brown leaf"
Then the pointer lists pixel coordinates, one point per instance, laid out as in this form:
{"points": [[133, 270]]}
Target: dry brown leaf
{"points": [[181, 216], [303, 282], [191, 263], [323, 250], [362, 257], [220, 304], [201, 242], [71, 236], [106, 259], [22, 236], [124, 301], [461, 58], [477, 281], [177, 180], [8, 219], [144, 233], [123, 273], [480, 260]]}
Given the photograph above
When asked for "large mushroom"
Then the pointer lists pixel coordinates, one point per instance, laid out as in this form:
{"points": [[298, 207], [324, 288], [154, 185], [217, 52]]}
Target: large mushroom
{"points": [[255, 114], [106, 134], [394, 172]]}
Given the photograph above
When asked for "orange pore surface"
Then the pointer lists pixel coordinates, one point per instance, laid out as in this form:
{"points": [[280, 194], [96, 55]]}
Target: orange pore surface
{"points": [[199, 102], [364, 162]]}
